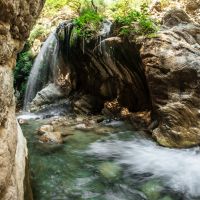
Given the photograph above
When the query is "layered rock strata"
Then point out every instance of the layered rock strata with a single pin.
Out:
(172, 68)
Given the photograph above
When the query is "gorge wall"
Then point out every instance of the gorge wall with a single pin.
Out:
(16, 20)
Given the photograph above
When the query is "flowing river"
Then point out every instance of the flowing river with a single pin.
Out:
(110, 162)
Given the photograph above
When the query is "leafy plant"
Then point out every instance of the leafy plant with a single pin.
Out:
(37, 32)
(164, 3)
(22, 70)
(136, 22)
(88, 23)
(52, 6)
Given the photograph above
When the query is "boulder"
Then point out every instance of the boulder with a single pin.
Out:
(172, 68)
(152, 189)
(51, 137)
(45, 128)
(48, 95)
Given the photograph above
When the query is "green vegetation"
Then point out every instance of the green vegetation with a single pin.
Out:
(135, 22)
(88, 23)
(131, 16)
(39, 31)
(51, 6)
(164, 3)
(22, 70)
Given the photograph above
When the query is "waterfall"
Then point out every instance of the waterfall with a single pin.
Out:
(52, 65)
(106, 27)
(50, 62)
(40, 72)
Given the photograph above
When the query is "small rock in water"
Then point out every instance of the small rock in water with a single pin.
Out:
(83, 127)
(22, 121)
(51, 137)
(109, 170)
(152, 190)
(44, 129)
(80, 126)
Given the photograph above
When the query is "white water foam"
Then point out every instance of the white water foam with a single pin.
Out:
(180, 169)
(28, 116)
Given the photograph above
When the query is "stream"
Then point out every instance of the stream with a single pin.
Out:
(109, 162)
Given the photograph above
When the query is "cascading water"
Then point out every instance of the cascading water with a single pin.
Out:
(104, 33)
(40, 72)
(176, 169)
(49, 62)
(106, 27)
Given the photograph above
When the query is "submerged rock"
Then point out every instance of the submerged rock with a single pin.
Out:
(152, 190)
(49, 148)
(109, 170)
(166, 198)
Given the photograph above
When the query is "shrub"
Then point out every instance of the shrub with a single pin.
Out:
(52, 6)
(22, 70)
(37, 32)
(88, 23)
(164, 3)
(136, 23)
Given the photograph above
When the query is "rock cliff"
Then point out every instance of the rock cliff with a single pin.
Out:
(172, 68)
(16, 20)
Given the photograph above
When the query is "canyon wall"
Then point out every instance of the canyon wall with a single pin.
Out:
(16, 20)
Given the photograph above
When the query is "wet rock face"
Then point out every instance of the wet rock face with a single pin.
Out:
(109, 70)
(16, 20)
(172, 68)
